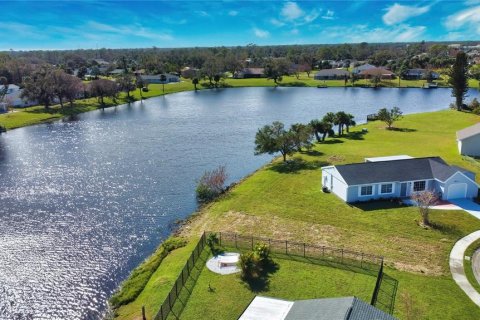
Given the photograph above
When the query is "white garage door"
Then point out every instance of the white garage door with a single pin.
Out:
(457, 190)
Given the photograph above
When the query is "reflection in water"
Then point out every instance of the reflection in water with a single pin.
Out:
(84, 201)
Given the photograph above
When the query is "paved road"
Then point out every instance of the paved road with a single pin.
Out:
(456, 266)
(458, 252)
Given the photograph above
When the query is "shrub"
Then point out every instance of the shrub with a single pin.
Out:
(249, 265)
(262, 251)
(212, 240)
(211, 184)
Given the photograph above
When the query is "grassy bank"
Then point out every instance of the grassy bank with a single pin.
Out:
(285, 202)
(33, 115)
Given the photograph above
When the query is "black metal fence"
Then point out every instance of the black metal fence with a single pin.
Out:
(384, 292)
(331, 256)
(181, 290)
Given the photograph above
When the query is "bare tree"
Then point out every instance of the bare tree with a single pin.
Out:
(424, 200)
(102, 88)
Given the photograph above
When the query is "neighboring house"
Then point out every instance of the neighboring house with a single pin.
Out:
(189, 73)
(418, 74)
(149, 78)
(331, 74)
(382, 73)
(3, 107)
(394, 177)
(116, 72)
(13, 97)
(250, 73)
(345, 308)
(468, 140)
(363, 67)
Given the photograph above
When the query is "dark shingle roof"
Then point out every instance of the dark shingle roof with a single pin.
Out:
(346, 308)
(396, 170)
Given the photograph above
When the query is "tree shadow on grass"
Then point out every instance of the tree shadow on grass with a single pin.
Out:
(332, 141)
(357, 135)
(313, 153)
(446, 229)
(378, 205)
(402, 129)
(293, 84)
(261, 283)
(296, 165)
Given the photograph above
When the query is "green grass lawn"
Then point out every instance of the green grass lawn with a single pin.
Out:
(285, 202)
(292, 280)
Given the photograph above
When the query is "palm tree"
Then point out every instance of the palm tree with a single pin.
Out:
(163, 79)
(195, 82)
(139, 83)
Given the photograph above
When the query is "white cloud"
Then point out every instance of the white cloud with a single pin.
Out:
(291, 11)
(261, 33)
(360, 33)
(136, 30)
(294, 32)
(311, 16)
(399, 13)
(466, 18)
(277, 23)
(232, 13)
(329, 15)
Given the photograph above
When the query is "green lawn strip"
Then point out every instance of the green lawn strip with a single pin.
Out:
(294, 280)
(135, 283)
(427, 297)
(468, 266)
(158, 286)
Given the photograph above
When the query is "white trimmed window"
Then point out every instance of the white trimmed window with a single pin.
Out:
(419, 186)
(386, 188)
(366, 190)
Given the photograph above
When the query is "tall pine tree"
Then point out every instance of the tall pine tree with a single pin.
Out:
(458, 79)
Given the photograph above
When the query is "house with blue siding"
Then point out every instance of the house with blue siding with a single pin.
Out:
(398, 177)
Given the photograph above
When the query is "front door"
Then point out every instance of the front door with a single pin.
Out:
(403, 190)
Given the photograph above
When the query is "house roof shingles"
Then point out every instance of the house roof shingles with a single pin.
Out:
(468, 132)
(345, 308)
(396, 170)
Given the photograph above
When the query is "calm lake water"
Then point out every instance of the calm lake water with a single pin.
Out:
(85, 200)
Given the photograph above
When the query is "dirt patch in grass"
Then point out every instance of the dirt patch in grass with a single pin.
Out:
(400, 252)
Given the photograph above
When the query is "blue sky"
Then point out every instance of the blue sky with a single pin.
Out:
(132, 24)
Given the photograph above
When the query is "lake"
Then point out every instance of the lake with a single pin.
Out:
(85, 200)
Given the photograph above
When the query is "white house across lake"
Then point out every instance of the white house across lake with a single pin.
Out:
(398, 177)
(468, 141)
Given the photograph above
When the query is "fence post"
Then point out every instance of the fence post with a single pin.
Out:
(323, 251)
(286, 246)
(252, 242)
(304, 250)
(143, 313)
(361, 262)
(236, 241)
(377, 286)
(342, 256)
(220, 239)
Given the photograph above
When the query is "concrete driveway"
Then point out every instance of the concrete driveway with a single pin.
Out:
(469, 206)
